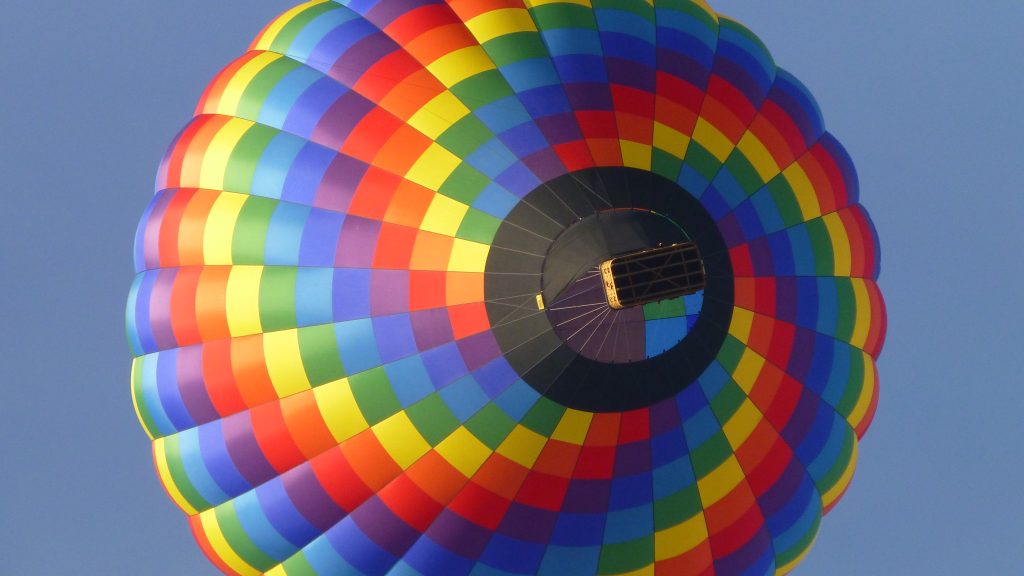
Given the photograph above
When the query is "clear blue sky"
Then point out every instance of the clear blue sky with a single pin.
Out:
(924, 94)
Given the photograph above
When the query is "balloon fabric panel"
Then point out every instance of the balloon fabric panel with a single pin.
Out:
(351, 231)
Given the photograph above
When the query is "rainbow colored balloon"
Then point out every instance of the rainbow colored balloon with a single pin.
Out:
(371, 331)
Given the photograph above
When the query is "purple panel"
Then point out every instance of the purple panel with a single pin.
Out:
(150, 232)
(337, 122)
(339, 184)
(633, 458)
(630, 73)
(587, 496)
(310, 499)
(664, 417)
(389, 292)
(191, 385)
(357, 243)
(308, 110)
(306, 173)
(479, 349)
(381, 525)
(801, 420)
(432, 328)
(587, 96)
(545, 164)
(683, 67)
(244, 450)
(527, 523)
(559, 128)
(365, 53)
(160, 309)
(459, 535)
(384, 13)
(778, 496)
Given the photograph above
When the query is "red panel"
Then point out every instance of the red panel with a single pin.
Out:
(575, 155)
(635, 426)
(374, 193)
(369, 460)
(370, 134)
(595, 462)
(426, 289)
(696, 562)
(410, 503)
(272, 435)
(480, 506)
(335, 474)
(468, 319)
(394, 247)
(543, 491)
(219, 379)
(169, 226)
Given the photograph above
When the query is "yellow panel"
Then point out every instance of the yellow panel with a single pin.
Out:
(840, 244)
(741, 424)
(719, 482)
(444, 215)
(284, 362)
(433, 167)
(867, 392)
(670, 140)
(276, 571)
(490, 25)
(803, 190)
(270, 34)
(635, 154)
(220, 545)
(742, 320)
(160, 457)
(681, 538)
(460, 64)
(220, 228)
(438, 115)
(468, 256)
(339, 409)
(573, 426)
(757, 154)
(748, 369)
(833, 494)
(231, 95)
(243, 300)
(218, 152)
(463, 451)
(522, 446)
(401, 439)
(711, 139)
(862, 320)
(645, 571)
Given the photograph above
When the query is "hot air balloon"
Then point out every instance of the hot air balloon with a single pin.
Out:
(489, 287)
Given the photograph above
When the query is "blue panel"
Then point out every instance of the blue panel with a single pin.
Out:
(351, 294)
(629, 524)
(257, 526)
(283, 515)
(320, 238)
(357, 345)
(284, 235)
(409, 379)
(394, 335)
(272, 171)
(313, 296)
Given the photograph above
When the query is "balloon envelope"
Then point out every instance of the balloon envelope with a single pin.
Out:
(369, 326)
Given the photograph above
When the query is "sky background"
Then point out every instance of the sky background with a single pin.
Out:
(924, 94)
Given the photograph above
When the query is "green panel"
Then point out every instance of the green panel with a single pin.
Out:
(785, 199)
(178, 475)
(277, 298)
(673, 308)
(259, 87)
(481, 89)
(432, 419)
(374, 395)
(515, 47)
(320, 357)
(297, 565)
(677, 508)
(710, 455)
(227, 520)
(727, 401)
(847, 316)
(465, 136)
(730, 353)
(478, 226)
(854, 384)
(464, 184)
(490, 425)
(665, 164)
(702, 161)
(626, 556)
(744, 173)
(832, 477)
(555, 16)
(241, 166)
(251, 230)
(821, 244)
(144, 413)
(543, 417)
(287, 35)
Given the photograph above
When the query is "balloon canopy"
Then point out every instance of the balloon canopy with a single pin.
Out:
(495, 287)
